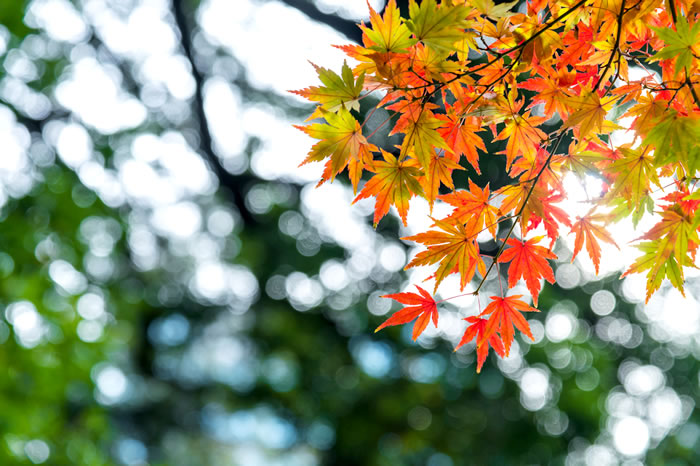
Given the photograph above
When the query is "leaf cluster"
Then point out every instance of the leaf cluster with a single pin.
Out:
(459, 73)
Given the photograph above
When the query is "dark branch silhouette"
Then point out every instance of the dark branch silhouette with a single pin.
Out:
(234, 184)
(344, 26)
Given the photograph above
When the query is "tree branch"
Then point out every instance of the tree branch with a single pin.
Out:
(346, 27)
(206, 145)
(520, 212)
(615, 51)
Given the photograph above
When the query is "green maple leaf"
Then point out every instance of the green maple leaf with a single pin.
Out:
(674, 137)
(678, 43)
(338, 90)
(340, 139)
(437, 27)
(388, 32)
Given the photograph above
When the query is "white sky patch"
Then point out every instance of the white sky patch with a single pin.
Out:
(112, 384)
(58, 18)
(329, 209)
(353, 9)
(283, 146)
(180, 220)
(535, 390)
(142, 33)
(4, 39)
(222, 104)
(172, 71)
(94, 95)
(674, 318)
(27, 323)
(74, 145)
(272, 60)
(631, 436)
(163, 170)
(15, 168)
(24, 98)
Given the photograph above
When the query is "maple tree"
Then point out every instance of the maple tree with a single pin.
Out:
(454, 71)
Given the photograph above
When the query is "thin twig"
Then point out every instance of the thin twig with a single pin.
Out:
(520, 212)
(616, 47)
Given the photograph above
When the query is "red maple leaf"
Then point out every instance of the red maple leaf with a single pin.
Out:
(505, 313)
(529, 262)
(476, 329)
(421, 305)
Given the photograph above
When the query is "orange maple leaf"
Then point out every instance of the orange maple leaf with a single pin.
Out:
(551, 90)
(505, 314)
(439, 171)
(388, 33)
(473, 208)
(529, 262)
(394, 183)
(453, 247)
(540, 208)
(460, 135)
(590, 112)
(420, 305)
(476, 329)
(584, 228)
(523, 136)
(340, 139)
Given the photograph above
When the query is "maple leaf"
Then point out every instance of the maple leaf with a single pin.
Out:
(551, 90)
(658, 270)
(429, 64)
(490, 9)
(577, 46)
(634, 171)
(590, 112)
(506, 314)
(388, 34)
(513, 197)
(338, 91)
(439, 171)
(667, 252)
(674, 136)
(460, 135)
(540, 208)
(673, 232)
(473, 208)
(586, 229)
(476, 330)
(679, 44)
(523, 137)
(647, 111)
(340, 139)
(566, 61)
(438, 27)
(395, 183)
(420, 127)
(422, 306)
(529, 261)
(453, 247)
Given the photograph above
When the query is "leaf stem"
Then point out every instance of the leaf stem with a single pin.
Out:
(615, 50)
(520, 211)
(672, 9)
(454, 297)
(692, 89)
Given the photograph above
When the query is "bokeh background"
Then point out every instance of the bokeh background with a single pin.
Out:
(175, 291)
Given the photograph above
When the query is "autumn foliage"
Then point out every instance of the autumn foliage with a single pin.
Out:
(457, 73)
